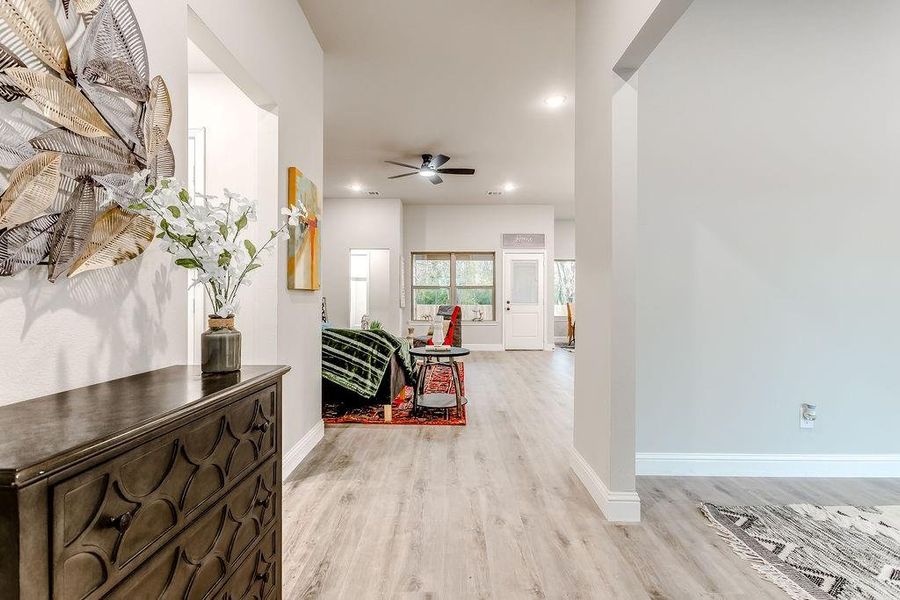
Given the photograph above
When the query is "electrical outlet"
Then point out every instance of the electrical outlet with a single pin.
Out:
(807, 416)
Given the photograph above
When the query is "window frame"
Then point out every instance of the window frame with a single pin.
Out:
(453, 287)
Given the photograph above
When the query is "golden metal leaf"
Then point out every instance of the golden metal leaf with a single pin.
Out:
(158, 119)
(87, 6)
(61, 102)
(34, 23)
(32, 189)
(118, 236)
(73, 230)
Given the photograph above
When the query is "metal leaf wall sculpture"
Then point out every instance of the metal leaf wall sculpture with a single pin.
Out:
(117, 236)
(72, 232)
(36, 27)
(32, 189)
(111, 121)
(24, 246)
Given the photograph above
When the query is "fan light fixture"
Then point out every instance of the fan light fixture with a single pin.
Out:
(555, 101)
(509, 187)
(355, 187)
(432, 168)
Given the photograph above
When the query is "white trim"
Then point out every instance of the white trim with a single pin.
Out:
(768, 465)
(301, 449)
(619, 507)
(549, 347)
(484, 347)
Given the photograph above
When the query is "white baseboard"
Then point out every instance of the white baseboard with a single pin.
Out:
(768, 465)
(619, 507)
(301, 449)
(484, 347)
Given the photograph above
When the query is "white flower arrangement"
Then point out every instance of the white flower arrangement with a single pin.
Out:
(205, 234)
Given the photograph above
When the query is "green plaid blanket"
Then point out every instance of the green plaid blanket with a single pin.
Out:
(358, 360)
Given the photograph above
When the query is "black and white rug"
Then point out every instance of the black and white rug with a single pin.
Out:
(816, 552)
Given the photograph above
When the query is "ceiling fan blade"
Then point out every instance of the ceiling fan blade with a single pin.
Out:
(439, 161)
(435, 179)
(456, 171)
(404, 175)
(400, 164)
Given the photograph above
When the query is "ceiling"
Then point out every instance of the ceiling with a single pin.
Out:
(466, 78)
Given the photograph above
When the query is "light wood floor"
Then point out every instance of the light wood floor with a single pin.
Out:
(492, 510)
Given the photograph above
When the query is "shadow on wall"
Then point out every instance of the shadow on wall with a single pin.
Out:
(96, 297)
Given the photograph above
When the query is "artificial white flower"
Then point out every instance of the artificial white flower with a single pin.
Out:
(206, 234)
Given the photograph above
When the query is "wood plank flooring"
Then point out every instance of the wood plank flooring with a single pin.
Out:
(492, 510)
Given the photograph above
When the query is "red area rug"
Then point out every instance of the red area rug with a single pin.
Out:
(437, 381)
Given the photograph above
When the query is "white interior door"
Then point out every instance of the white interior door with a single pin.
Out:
(523, 301)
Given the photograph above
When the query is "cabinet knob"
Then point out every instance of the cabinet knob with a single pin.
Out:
(122, 522)
(266, 502)
(264, 577)
(262, 427)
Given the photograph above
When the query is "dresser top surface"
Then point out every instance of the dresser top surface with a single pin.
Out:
(40, 436)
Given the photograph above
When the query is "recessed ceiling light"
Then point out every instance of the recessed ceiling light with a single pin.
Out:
(509, 187)
(555, 101)
(427, 173)
(355, 187)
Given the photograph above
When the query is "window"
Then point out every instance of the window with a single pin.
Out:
(466, 279)
(563, 286)
(359, 286)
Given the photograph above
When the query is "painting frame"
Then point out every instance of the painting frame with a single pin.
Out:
(304, 245)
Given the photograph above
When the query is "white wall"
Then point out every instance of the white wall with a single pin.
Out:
(478, 228)
(603, 442)
(110, 323)
(564, 239)
(769, 259)
(283, 60)
(361, 224)
(232, 127)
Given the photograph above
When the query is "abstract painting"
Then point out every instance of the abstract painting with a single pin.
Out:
(304, 245)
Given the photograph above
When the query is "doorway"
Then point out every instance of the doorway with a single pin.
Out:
(370, 292)
(524, 318)
(233, 143)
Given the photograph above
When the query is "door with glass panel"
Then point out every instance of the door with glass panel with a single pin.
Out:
(524, 318)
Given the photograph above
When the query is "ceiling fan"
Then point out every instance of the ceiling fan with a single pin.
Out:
(431, 168)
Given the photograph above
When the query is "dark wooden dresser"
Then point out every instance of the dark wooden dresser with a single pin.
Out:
(165, 484)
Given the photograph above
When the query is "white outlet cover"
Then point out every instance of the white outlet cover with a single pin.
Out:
(804, 422)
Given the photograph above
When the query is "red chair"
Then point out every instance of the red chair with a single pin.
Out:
(454, 331)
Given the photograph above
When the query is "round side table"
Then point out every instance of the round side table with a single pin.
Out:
(435, 360)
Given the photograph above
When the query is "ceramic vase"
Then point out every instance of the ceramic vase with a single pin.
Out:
(220, 346)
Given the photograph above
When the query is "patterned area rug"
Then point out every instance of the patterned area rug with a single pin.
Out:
(815, 552)
(437, 381)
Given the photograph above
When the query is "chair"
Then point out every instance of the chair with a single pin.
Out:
(570, 322)
(454, 331)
